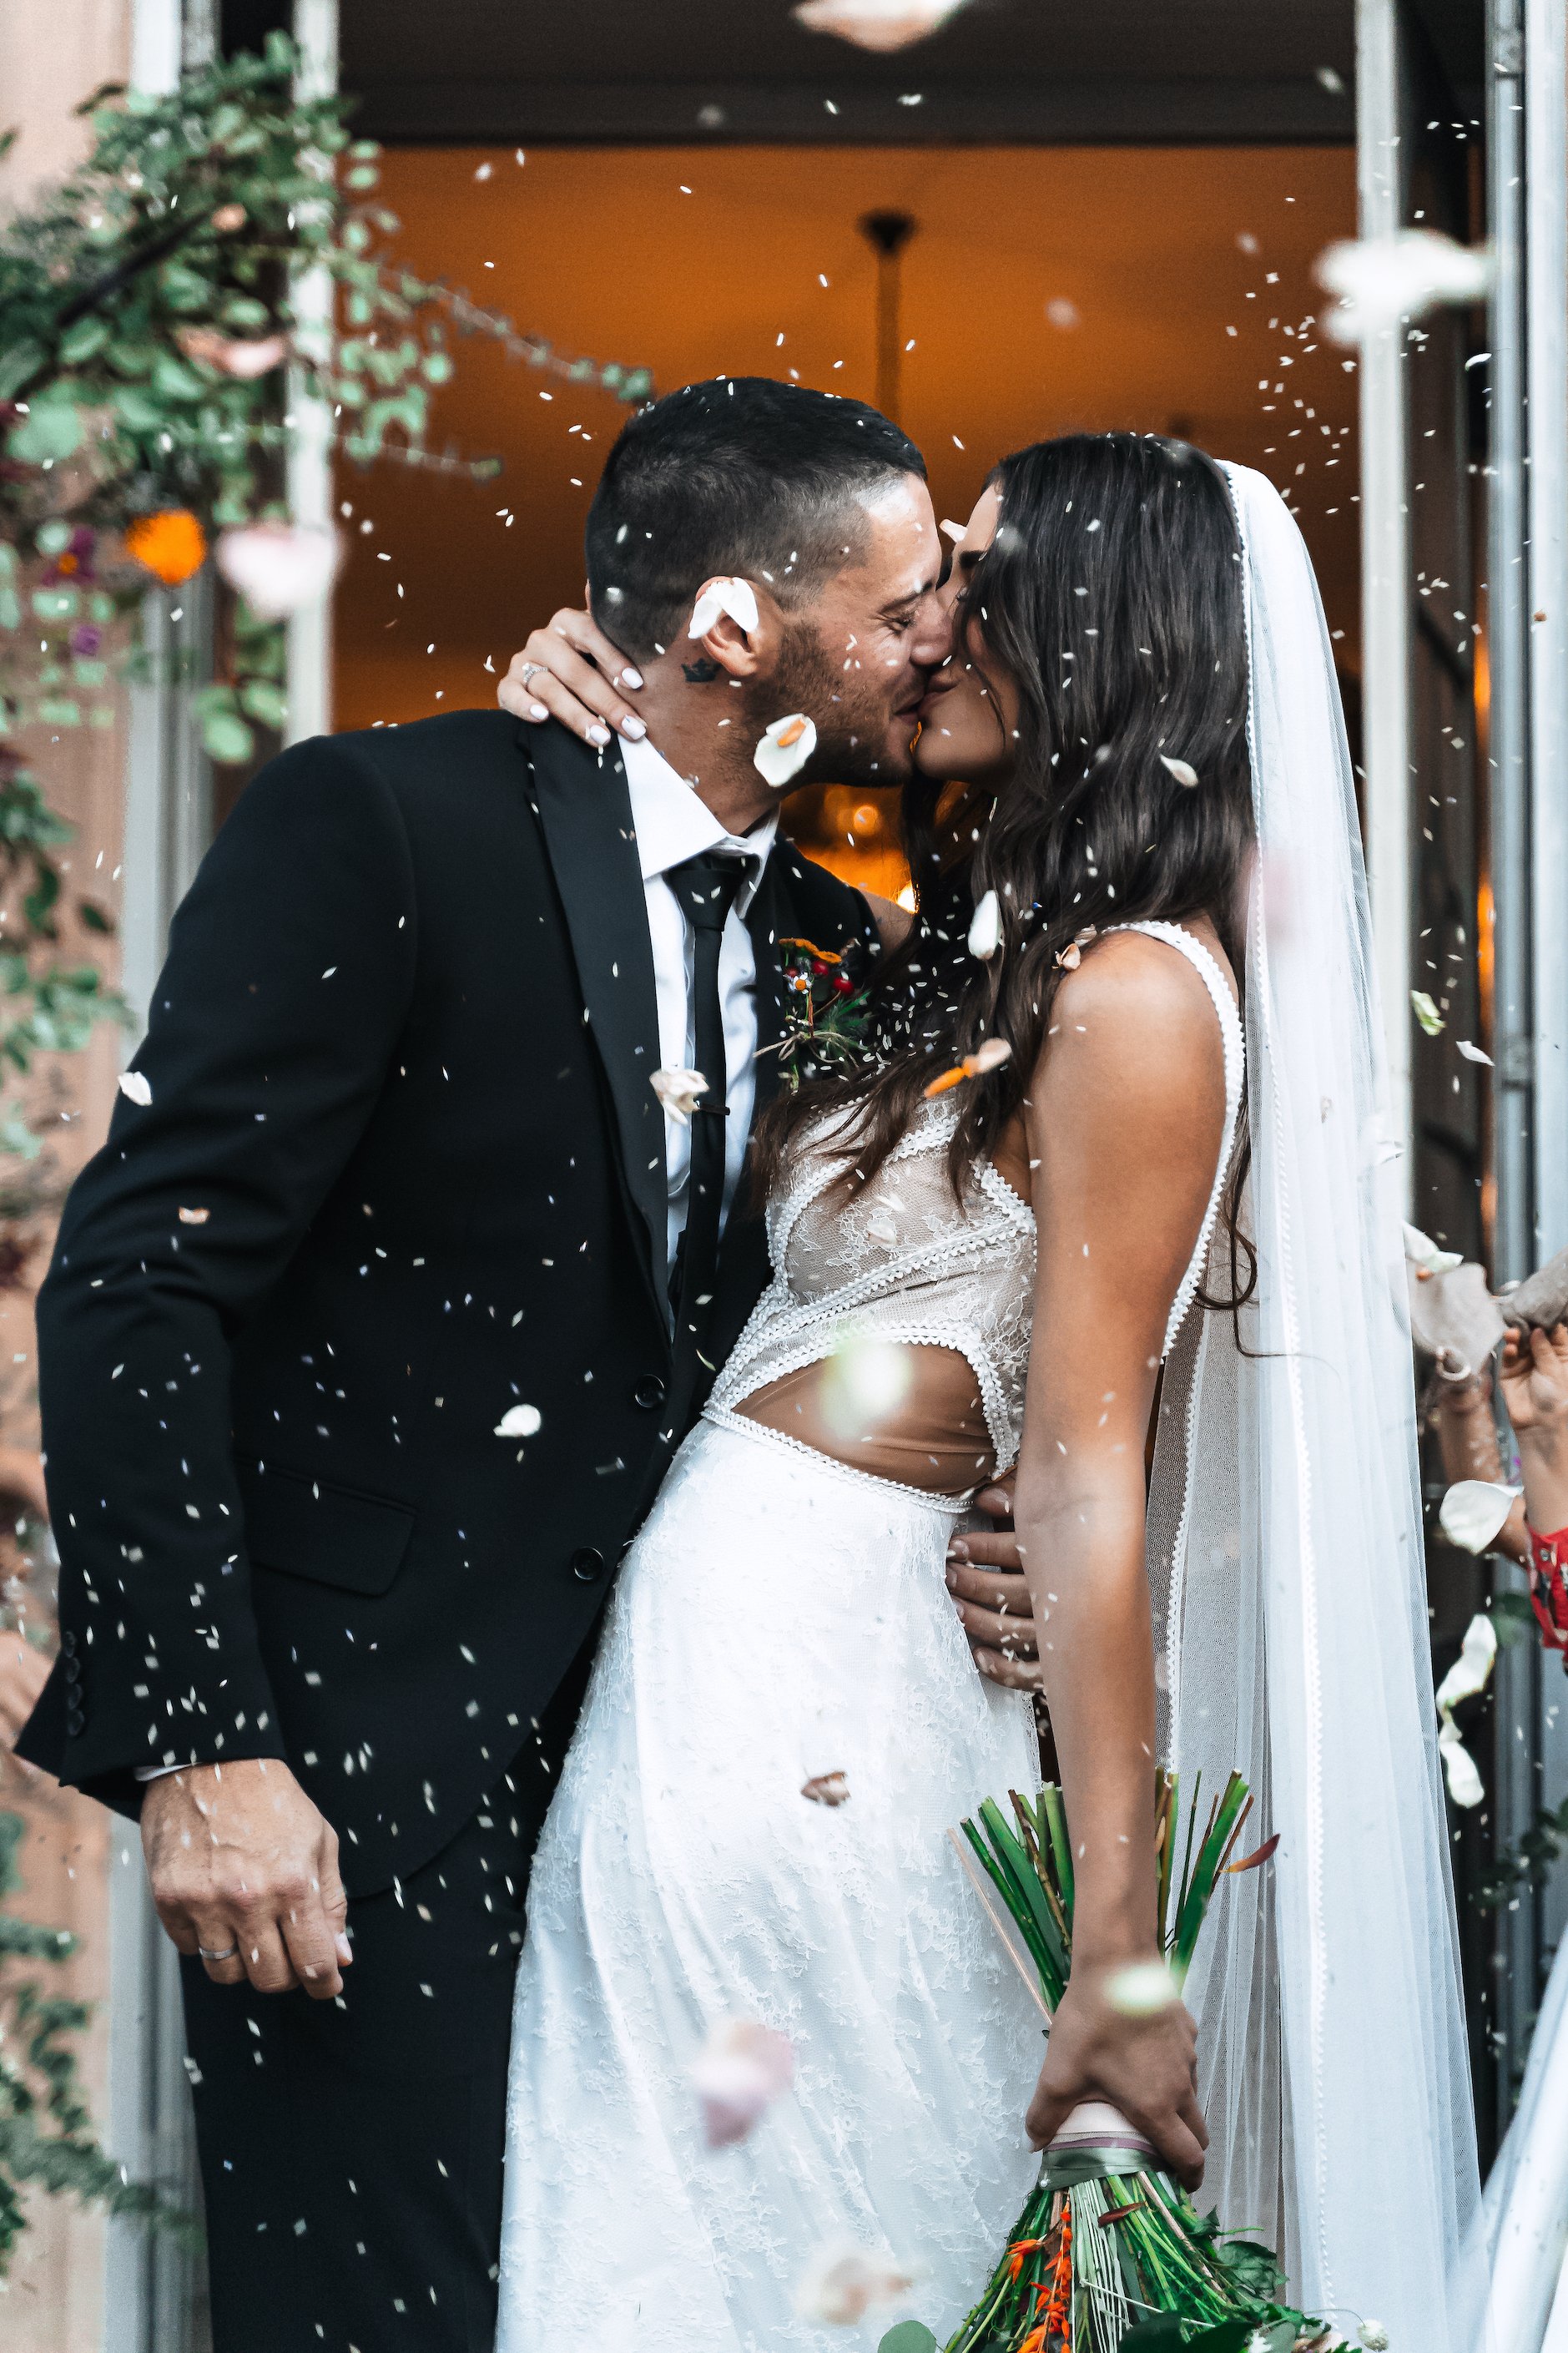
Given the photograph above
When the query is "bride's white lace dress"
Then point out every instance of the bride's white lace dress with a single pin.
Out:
(780, 1618)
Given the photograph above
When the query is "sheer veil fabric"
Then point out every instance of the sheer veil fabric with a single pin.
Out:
(1289, 1578)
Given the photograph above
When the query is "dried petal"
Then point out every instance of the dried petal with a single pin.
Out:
(736, 597)
(195, 1216)
(843, 2282)
(1426, 1013)
(1183, 770)
(278, 568)
(882, 25)
(136, 1087)
(826, 1788)
(989, 1055)
(1472, 1513)
(1473, 1053)
(1380, 281)
(1424, 1255)
(518, 1422)
(787, 744)
(1260, 1854)
(679, 1092)
(742, 2069)
(986, 928)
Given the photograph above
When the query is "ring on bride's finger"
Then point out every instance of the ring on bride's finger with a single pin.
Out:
(527, 673)
(228, 1952)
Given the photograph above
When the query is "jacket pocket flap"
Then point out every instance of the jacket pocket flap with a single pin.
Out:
(308, 1528)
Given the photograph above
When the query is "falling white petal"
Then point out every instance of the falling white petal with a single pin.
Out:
(1465, 1785)
(1380, 281)
(989, 1055)
(740, 2072)
(842, 2282)
(1473, 1053)
(518, 1422)
(786, 745)
(680, 1091)
(1471, 1670)
(136, 1087)
(884, 25)
(985, 929)
(278, 568)
(1424, 1252)
(736, 597)
(1472, 1513)
(1183, 770)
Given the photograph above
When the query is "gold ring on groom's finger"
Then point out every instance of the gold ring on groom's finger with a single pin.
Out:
(228, 1952)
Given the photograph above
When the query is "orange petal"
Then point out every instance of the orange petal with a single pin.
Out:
(953, 1078)
(792, 734)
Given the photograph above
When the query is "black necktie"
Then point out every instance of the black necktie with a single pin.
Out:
(705, 888)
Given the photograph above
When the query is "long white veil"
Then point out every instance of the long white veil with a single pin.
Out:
(1287, 1561)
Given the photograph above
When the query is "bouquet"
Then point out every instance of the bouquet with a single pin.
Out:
(1109, 2254)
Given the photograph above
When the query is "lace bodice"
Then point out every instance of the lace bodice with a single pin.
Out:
(905, 1262)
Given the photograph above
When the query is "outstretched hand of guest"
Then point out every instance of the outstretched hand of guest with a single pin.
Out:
(1533, 1378)
(1144, 2062)
(244, 1873)
(569, 670)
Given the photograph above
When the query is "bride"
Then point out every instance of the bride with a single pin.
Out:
(1172, 1192)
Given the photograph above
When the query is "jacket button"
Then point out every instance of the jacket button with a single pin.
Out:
(587, 1563)
(73, 1670)
(67, 1644)
(75, 1722)
(649, 1393)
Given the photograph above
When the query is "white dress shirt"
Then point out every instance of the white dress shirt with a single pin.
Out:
(673, 825)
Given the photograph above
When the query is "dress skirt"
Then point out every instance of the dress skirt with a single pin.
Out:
(780, 1618)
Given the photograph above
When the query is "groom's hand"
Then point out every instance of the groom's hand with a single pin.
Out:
(244, 1870)
(985, 1578)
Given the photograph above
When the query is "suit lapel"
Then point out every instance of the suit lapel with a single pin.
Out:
(585, 813)
(769, 919)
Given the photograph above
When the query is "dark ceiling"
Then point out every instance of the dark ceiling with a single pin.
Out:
(1071, 71)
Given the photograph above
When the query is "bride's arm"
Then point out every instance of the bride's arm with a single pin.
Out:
(1125, 1121)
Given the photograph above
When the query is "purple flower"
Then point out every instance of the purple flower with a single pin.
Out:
(86, 640)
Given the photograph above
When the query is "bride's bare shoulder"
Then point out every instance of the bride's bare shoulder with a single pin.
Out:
(1135, 1020)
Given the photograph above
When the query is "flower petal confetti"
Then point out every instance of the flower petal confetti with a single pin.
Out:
(1473, 1053)
(136, 1087)
(242, 357)
(1380, 281)
(195, 1216)
(1142, 1989)
(1372, 2336)
(171, 544)
(1426, 1013)
(843, 2282)
(1465, 1784)
(1471, 1670)
(1424, 1255)
(278, 568)
(1071, 956)
(680, 1093)
(736, 597)
(1472, 1513)
(787, 744)
(741, 2071)
(881, 24)
(826, 1790)
(986, 928)
(1183, 770)
(520, 1421)
(989, 1055)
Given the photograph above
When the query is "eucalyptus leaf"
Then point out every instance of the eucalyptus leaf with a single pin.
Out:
(50, 431)
(226, 738)
(85, 339)
(909, 2337)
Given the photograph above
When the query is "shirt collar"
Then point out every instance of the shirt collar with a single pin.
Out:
(672, 823)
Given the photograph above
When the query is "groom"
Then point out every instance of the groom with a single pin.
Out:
(374, 1325)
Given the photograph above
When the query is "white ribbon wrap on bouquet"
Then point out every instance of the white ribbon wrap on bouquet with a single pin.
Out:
(1289, 1580)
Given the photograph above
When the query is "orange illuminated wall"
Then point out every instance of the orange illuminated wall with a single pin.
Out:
(604, 252)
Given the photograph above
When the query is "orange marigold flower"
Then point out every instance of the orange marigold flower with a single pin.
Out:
(171, 544)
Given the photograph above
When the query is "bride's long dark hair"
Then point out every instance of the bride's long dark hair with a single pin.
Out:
(1112, 597)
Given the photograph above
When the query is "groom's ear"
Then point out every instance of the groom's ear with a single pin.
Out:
(744, 643)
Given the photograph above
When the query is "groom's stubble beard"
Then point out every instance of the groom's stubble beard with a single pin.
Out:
(850, 708)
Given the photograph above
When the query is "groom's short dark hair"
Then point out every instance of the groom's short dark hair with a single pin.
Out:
(738, 475)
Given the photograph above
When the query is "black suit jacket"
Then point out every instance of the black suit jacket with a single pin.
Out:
(402, 1170)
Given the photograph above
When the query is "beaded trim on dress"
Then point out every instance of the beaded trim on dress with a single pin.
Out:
(906, 1261)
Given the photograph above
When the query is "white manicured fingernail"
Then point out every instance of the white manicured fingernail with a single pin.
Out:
(630, 676)
(633, 728)
(538, 710)
(598, 735)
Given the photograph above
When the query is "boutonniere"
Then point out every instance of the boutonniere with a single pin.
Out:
(825, 1011)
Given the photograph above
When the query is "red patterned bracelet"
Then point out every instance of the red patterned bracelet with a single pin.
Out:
(1548, 1586)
